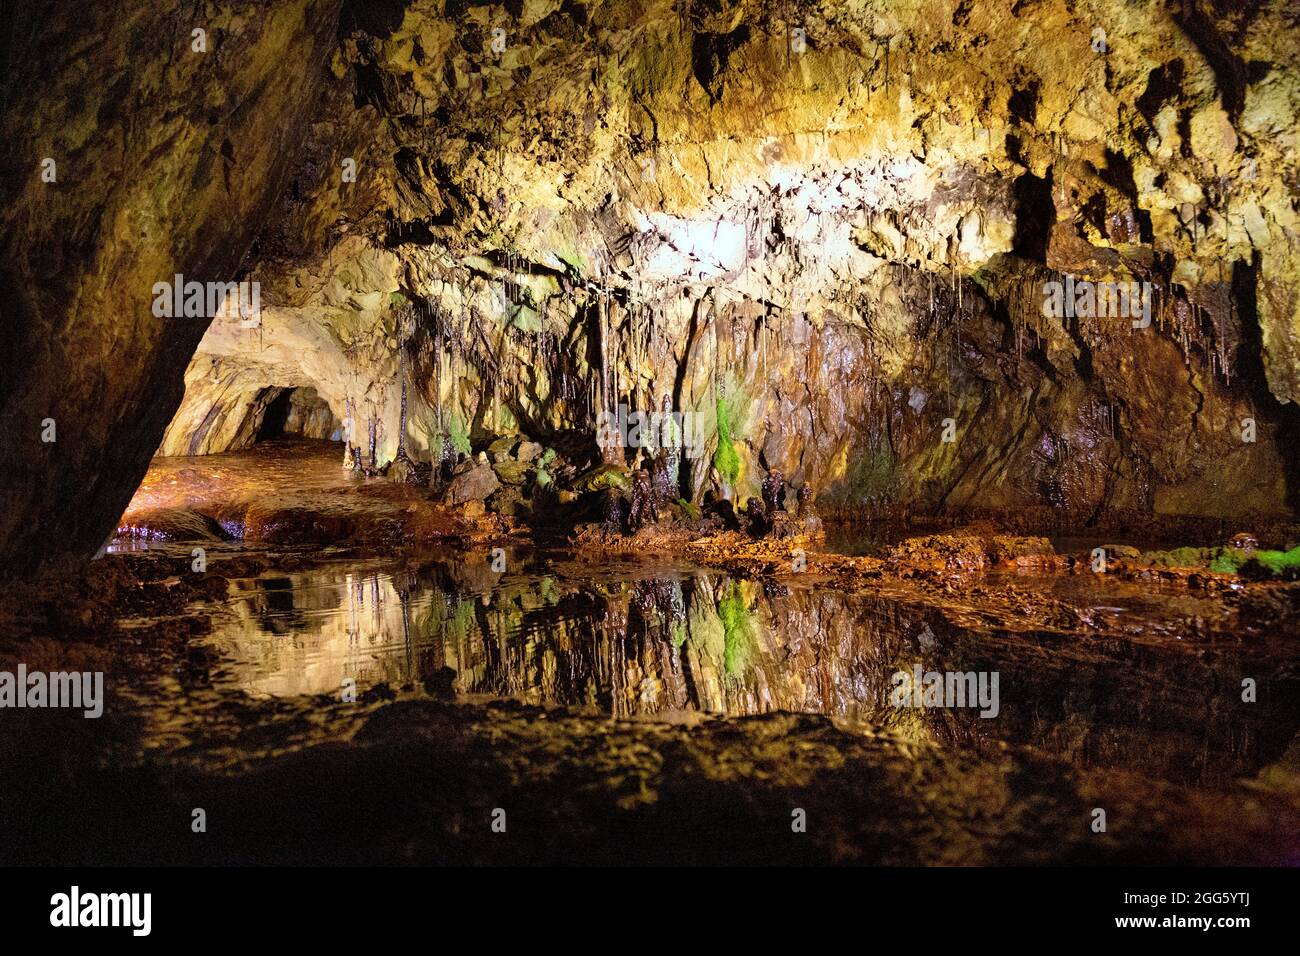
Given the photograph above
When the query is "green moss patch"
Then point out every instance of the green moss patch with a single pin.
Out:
(725, 459)
(737, 630)
(458, 434)
(1258, 565)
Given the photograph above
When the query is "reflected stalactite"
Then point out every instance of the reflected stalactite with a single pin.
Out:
(657, 643)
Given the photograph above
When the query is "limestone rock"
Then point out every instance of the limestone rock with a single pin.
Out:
(823, 261)
(166, 162)
(472, 485)
(500, 450)
(511, 472)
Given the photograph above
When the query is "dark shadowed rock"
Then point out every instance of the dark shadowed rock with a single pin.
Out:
(168, 161)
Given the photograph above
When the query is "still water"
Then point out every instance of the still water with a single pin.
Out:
(1143, 689)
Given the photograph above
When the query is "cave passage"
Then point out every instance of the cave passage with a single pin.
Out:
(298, 412)
(276, 416)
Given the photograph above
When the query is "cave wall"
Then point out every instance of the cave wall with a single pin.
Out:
(558, 206)
(166, 161)
(341, 342)
(844, 234)
(310, 416)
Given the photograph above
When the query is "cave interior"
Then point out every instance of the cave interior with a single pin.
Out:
(620, 412)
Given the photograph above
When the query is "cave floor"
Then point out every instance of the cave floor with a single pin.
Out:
(282, 492)
(352, 704)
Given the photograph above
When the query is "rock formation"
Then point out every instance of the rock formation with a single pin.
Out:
(127, 157)
(823, 234)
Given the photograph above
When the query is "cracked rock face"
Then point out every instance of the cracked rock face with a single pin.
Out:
(832, 223)
(165, 161)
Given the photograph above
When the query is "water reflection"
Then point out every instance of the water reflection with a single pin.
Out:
(632, 642)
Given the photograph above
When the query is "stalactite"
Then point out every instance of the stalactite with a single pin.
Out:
(439, 346)
(401, 433)
(602, 321)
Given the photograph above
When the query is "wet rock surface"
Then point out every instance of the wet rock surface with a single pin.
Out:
(292, 492)
(166, 162)
(474, 484)
(825, 269)
(844, 283)
(674, 758)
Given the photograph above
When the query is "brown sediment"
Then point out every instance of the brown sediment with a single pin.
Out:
(289, 493)
(296, 495)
